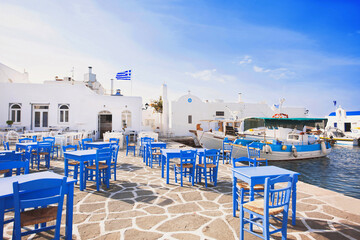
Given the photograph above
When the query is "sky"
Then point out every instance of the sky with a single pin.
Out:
(305, 51)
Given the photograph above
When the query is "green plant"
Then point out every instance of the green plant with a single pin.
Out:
(9, 122)
(157, 105)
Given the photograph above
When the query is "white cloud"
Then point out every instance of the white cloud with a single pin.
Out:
(211, 75)
(245, 60)
(278, 73)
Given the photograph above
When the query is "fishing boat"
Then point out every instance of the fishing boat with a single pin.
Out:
(338, 137)
(277, 138)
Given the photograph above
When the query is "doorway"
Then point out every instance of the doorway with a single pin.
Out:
(105, 123)
(41, 117)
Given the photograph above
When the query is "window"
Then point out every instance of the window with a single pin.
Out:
(190, 119)
(15, 112)
(220, 113)
(63, 113)
(335, 124)
(126, 119)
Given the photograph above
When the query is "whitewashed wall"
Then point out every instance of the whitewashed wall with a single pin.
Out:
(85, 104)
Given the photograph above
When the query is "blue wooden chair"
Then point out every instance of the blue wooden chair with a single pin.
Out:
(6, 145)
(74, 164)
(83, 143)
(155, 154)
(186, 167)
(276, 200)
(130, 146)
(40, 193)
(53, 146)
(113, 163)
(34, 138)
(226, 151)
(42, 153)
(142, 144)
(101, 171)
(25, 140)
(253, 151)
(243, 188)
(209, 168)
(10, 161)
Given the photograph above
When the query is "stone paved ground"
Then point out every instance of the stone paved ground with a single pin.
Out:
(140, 205)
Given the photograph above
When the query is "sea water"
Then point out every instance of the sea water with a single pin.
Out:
(339, 171)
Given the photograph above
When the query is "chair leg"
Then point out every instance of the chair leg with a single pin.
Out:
(192, 175)
(205, 176)
(181, 176)
(175, 173)
(76, 169)
(284, 225)
(215, 173)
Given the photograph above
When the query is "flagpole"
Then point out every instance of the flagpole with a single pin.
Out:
(112, 86)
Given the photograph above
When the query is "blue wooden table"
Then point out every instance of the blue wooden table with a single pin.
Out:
(167, 154)
(97, 144)
(80, 156)
(24, 146)
(257, 175)
(146, 154)
(7, 201)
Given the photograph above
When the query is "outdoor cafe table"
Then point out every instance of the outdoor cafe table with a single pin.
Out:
(7, 201)
(146, 154)
(168, 154)
(23, 146)
(98, 144)
(257, 175)
(80, 156)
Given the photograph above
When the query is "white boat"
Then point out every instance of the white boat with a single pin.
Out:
(297, 145)
(338, 137)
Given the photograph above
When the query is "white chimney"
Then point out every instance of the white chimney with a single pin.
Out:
(90, 70)
(239, 98)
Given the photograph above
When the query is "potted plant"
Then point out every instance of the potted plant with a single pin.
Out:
(9, 122)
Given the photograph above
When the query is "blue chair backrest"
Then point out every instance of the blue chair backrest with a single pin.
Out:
(34, 138)
(211, 156)
(227, 145)
(86, 140)
(248, 162)
(252, 151)
(146, 139)
(275, 197)
(103, 154)
(114, 152)
(188, 156)
(43, 193)
(25, 140)
(115, 140)
(6, 145)
(69, 148)
(44, 146)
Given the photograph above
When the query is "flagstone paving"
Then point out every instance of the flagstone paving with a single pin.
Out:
(140, 205)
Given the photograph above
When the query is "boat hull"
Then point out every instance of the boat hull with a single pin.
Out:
(208, 140)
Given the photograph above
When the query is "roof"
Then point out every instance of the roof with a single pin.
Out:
(348, 113)
(290, 119)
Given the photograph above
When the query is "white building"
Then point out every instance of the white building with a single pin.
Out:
(9, 75)
(347, 121)
(189, 110)
(67, 104)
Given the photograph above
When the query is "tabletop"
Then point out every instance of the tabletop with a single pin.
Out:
(7, 183)
(262, 171)
(81, 152)
(98, 143)
(27, 144)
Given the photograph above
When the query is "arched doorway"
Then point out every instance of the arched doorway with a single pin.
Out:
(105, 123)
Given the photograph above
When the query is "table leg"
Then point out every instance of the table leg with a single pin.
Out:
(81, 177)
(167, 169)
(162, 165)
(2, 211)
(66, 170)
(69, 211)
(294, 201)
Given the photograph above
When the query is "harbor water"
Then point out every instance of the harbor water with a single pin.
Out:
(339, 171)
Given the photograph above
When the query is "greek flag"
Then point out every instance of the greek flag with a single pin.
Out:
(124, 75)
